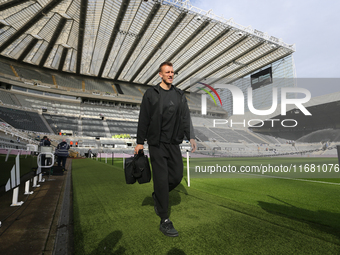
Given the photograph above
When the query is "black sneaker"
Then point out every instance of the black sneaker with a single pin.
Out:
(155, 206)
(168, 229)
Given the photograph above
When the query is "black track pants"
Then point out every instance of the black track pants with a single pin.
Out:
(167, 171)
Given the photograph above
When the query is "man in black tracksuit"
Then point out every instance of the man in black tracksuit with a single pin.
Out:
(164, 119)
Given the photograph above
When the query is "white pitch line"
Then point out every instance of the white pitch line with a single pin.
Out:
(303, 180)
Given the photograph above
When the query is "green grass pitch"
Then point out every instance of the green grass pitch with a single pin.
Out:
(213, 215)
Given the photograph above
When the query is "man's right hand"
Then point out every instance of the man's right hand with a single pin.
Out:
(138, 147)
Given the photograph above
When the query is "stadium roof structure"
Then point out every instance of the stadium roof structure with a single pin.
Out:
(127, 40)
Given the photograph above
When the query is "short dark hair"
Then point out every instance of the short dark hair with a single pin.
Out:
(166, 63)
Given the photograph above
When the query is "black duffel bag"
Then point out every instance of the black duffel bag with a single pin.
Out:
(137, 168)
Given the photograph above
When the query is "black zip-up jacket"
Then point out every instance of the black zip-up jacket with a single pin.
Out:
(150, 118)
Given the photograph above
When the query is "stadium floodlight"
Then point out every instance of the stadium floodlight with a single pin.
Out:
(64, 15)
(198, 18)
(4, 22)
(66, 46)
(37, 36)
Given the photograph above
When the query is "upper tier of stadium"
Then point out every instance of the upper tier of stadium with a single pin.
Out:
(126, 40)
(51, 83)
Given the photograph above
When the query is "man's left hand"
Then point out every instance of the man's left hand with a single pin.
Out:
(193, 145)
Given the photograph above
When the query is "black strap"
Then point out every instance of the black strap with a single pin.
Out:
(137, 172)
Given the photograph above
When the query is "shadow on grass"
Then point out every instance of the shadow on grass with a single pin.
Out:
(175, 251)
(323, 221)
(108, 244)
(182, 189)
(174, 197)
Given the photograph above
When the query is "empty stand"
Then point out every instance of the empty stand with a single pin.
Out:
(248, 137)
(122, 127)
(33, 74)
(200, 135)
(199, 121)
(226, 135)
(93, 127)
(69, 81)
(269, 139)
(130, 90)
(7, 142)
(109, 111)
(6, 69)
(50, 104)
(102, 86)
(208, 133)
(281, 140)
(58, 123)
(229, 135)
(23, 120)
(8, 98)
(88, 143)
